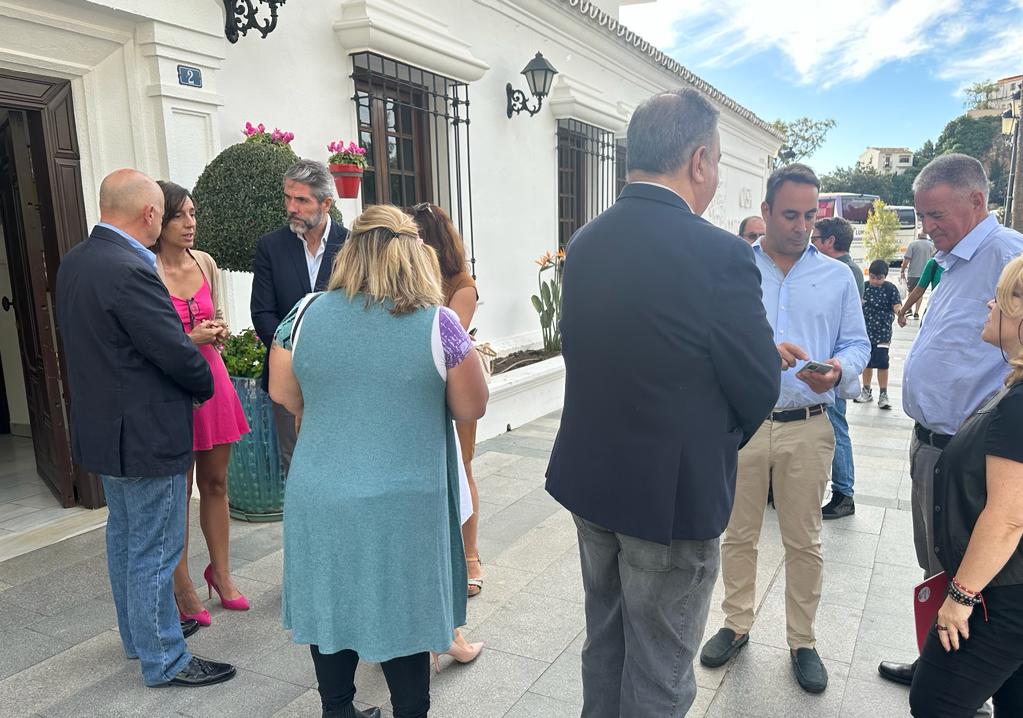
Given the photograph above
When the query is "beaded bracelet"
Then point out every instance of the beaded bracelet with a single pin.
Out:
(961, 597)
(963, 588)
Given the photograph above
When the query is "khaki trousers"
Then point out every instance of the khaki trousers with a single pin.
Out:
(795, 457)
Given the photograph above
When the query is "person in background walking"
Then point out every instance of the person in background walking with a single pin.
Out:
(881, 302)
(193, 280)
(930, 278)
(373, 563)
(833, 236)
(918, 253)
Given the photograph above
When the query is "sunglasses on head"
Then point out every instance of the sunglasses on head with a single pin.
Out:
(422, 207)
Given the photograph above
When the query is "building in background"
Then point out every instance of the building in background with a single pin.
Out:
(90, 86)
(887, 160)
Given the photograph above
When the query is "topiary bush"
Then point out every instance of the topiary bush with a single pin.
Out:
(239, 197)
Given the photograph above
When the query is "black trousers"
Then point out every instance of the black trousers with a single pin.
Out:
(987, 665)
(408, 679)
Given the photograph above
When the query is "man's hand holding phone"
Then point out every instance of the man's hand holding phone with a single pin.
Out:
(821, 376)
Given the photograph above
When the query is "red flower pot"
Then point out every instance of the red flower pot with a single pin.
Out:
(347, 179)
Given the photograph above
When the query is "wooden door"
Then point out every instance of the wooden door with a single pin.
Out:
(25, 228)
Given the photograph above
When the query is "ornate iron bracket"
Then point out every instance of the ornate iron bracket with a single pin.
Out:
(242, 16)
(519, 101)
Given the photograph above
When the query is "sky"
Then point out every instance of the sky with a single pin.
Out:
(890, 73)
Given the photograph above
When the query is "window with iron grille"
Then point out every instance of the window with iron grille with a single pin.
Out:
(621, 166)
(414, 125)
(586, 175)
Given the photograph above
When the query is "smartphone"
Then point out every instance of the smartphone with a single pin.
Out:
(817, 367)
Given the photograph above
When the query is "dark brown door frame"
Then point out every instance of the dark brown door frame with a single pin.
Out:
(57, 163)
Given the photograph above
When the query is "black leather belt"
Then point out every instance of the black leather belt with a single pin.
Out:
(797, 414)
(926, 436)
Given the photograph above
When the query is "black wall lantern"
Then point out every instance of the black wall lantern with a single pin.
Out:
(539, 76)
(241, 16)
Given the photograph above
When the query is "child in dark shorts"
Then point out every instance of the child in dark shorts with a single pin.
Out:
(881, 301)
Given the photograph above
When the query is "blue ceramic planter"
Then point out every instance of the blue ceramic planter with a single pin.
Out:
(255, 482)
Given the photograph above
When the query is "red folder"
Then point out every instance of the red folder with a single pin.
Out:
(927, 599)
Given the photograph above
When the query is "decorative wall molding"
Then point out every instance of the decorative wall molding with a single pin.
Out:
(393, 29)
(572, 98)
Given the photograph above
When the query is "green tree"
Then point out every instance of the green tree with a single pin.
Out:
(925, 154)
(859, 179)
(902, 187)
(804, 136)
(880, 234)
(977, 95)
(970, 136)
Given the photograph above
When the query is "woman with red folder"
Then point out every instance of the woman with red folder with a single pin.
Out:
(974, 653)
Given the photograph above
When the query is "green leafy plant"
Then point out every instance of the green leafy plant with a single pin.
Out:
(548, 303)
(243, 354)
(239, 197)
(880, 235)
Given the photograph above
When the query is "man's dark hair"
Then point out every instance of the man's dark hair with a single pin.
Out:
(797, 172)
(836, 227)
(878, 268)
(666, 130)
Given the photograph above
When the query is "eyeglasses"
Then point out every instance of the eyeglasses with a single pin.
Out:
(752, 236)
(816, 238)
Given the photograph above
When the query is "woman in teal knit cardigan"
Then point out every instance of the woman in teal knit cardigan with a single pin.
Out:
(373, 559)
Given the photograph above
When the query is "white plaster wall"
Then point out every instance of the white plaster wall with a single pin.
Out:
(298, 79)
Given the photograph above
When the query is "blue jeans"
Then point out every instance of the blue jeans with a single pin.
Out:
(842, 472)
(145, 538)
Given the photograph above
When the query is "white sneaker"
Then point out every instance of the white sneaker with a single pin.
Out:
(866, 396)
(882, 401)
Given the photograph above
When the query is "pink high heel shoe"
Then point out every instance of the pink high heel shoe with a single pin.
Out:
(463, 654)
(202, 618)
(232, 604)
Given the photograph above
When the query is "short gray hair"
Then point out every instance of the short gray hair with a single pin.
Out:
(315, 176)
(955, 170)
(667, 128)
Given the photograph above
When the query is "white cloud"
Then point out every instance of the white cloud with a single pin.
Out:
(827, 43)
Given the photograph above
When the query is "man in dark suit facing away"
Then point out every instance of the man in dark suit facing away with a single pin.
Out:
(670, 368)
(134, 377)
(290, 262)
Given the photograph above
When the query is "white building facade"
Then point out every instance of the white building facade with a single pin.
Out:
(887, 160)
(90, 86)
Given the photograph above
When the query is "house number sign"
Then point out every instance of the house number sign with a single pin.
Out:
(189, 76)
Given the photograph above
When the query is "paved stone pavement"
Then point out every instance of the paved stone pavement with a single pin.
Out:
(60, 654)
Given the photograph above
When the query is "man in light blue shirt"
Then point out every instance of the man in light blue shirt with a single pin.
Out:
(950, 371)
(813, 306)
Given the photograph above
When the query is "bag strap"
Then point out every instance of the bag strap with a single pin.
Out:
(306, 302)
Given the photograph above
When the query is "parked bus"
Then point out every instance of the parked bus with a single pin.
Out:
(855, 208)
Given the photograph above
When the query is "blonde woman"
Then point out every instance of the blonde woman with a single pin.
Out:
(376, 370)
(975, 650)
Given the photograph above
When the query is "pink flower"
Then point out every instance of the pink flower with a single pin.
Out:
(260, 127)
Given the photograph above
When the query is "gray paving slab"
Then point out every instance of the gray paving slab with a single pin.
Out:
(529, 614)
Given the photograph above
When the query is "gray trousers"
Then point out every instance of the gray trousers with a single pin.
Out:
(646, 610)
(922, 460)
(284, 422)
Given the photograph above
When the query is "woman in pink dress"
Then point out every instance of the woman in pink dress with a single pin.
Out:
(193, 281)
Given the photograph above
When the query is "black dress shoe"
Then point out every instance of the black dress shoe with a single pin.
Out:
(809, 670)
(721, 647)
(350, 711)
(897, 672)
(189, 626)
(839, 507)
(200, 672)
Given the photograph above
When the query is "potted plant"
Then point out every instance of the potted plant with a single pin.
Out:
(239, 197)
(347, 163)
